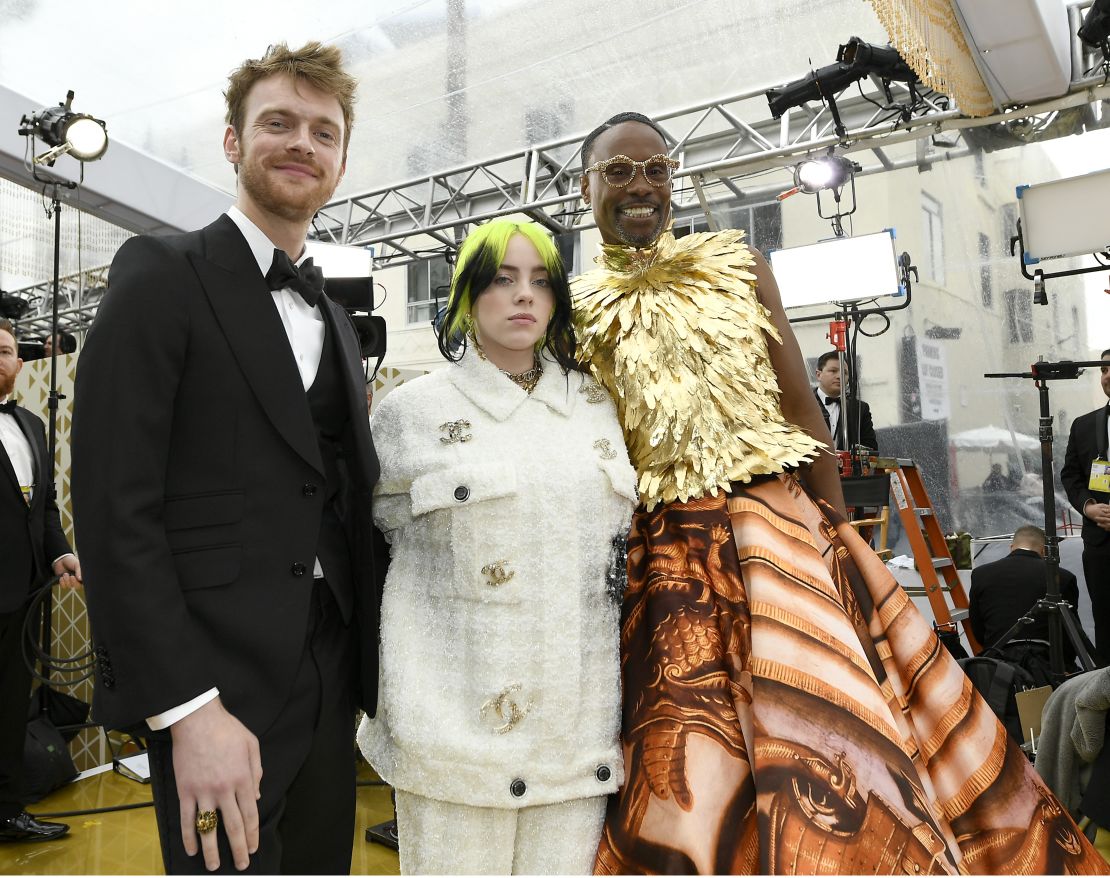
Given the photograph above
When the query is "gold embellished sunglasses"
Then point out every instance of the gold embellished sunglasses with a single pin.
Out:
(620, 170)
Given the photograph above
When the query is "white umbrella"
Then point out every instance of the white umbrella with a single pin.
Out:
(993, 439)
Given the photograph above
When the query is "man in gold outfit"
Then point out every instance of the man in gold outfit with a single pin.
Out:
(786, 709)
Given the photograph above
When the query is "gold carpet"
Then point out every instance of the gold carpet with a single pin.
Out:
(126, 842)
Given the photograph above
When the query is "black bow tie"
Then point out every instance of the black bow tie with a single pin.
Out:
(305, 279)
(830, 400)
(8, 407)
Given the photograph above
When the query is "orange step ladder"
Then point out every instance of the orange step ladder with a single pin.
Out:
(930, 550)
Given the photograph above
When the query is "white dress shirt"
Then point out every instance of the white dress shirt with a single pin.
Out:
(304, 326)
(832, 406)
(19, 453)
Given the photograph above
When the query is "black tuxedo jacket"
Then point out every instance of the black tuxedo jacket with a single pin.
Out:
(31, 536)
(1086, 442)
(860, 429)
(195, 474)
(1004, 590)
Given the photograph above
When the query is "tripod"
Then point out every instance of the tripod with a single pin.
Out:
(1060, 614)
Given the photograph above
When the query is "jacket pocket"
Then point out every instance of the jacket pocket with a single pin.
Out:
(202, 510)
(462, 486)
(207, 566)
(622, 477)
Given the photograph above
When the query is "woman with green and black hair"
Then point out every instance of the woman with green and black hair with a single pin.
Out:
(506, 493)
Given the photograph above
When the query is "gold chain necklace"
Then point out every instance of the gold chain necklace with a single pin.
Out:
(526, 381)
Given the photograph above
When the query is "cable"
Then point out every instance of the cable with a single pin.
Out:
(106, 810)
(859, 325)
(33, 653)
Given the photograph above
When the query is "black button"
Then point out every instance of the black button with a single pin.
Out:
(518, 788)
(308, 490)
(299, 569)
(603, 773)
(462, 492)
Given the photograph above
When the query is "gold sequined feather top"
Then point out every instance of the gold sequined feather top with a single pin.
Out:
(677, 335)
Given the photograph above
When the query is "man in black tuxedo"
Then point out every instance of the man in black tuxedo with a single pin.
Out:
(32, 546)
(1087, 443)
(1005, 590)
(860, 429)
(222, 477)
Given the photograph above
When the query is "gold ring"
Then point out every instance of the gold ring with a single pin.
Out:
(206, 821)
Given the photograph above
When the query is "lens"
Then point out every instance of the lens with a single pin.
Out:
(619, 174)
(657, 173)
(87, 138)
(814, 175)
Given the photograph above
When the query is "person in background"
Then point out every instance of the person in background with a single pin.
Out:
(828, 392)
(1085, 476)
(32, 547)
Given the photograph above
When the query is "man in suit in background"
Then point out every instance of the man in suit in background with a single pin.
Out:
(1087, 445)
(222, 476)
(32, 546)
(860, 429)
(1005, 590)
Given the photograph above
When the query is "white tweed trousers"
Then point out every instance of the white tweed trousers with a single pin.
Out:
(440, 838)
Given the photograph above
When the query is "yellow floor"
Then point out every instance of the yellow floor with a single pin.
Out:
(126, 842)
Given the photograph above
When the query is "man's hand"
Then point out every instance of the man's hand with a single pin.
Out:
(1099, 513)
(218, 767)
(69, 569)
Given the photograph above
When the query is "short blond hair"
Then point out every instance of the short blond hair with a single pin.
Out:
(319, 65)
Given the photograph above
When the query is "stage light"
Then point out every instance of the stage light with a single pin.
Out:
(66, 132)
(1065, 217)
(1095, 30)
(855, 60)
(881, 61)
(827, 172)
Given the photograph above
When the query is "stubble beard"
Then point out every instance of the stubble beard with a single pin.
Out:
(294, 207)
(633, 239)
(7, 385)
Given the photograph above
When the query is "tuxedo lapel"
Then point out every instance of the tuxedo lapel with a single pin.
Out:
(1100, 431)
(354, 383)
(9, 472)
(244, 308)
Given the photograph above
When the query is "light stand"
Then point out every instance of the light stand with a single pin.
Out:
(1061, 615)
(83, 138)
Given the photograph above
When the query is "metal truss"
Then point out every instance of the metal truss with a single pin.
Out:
(79, 296)
(719, 153)
(721, 156)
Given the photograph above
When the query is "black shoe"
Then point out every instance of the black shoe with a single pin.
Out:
(24, 827)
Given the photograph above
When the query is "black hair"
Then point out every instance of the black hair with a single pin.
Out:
(824, 358)
(588, 143)
(478, 261)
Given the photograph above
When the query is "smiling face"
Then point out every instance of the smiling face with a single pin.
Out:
(635, 214)
(511, 314)
(290, 151)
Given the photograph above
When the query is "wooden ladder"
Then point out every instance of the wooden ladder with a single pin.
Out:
(930, 550)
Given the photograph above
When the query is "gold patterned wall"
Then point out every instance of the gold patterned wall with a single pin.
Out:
(70, 621)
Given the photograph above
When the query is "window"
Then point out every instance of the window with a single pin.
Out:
(1019, 315)
(985, 271)
(429, 279)
(934, 237)
(762, 222)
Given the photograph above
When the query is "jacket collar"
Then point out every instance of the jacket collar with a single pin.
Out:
(484, 385)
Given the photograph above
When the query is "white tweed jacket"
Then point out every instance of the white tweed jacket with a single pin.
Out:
(500, 679)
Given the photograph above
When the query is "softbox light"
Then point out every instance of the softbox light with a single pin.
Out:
(839, 270)
(1068, 217)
